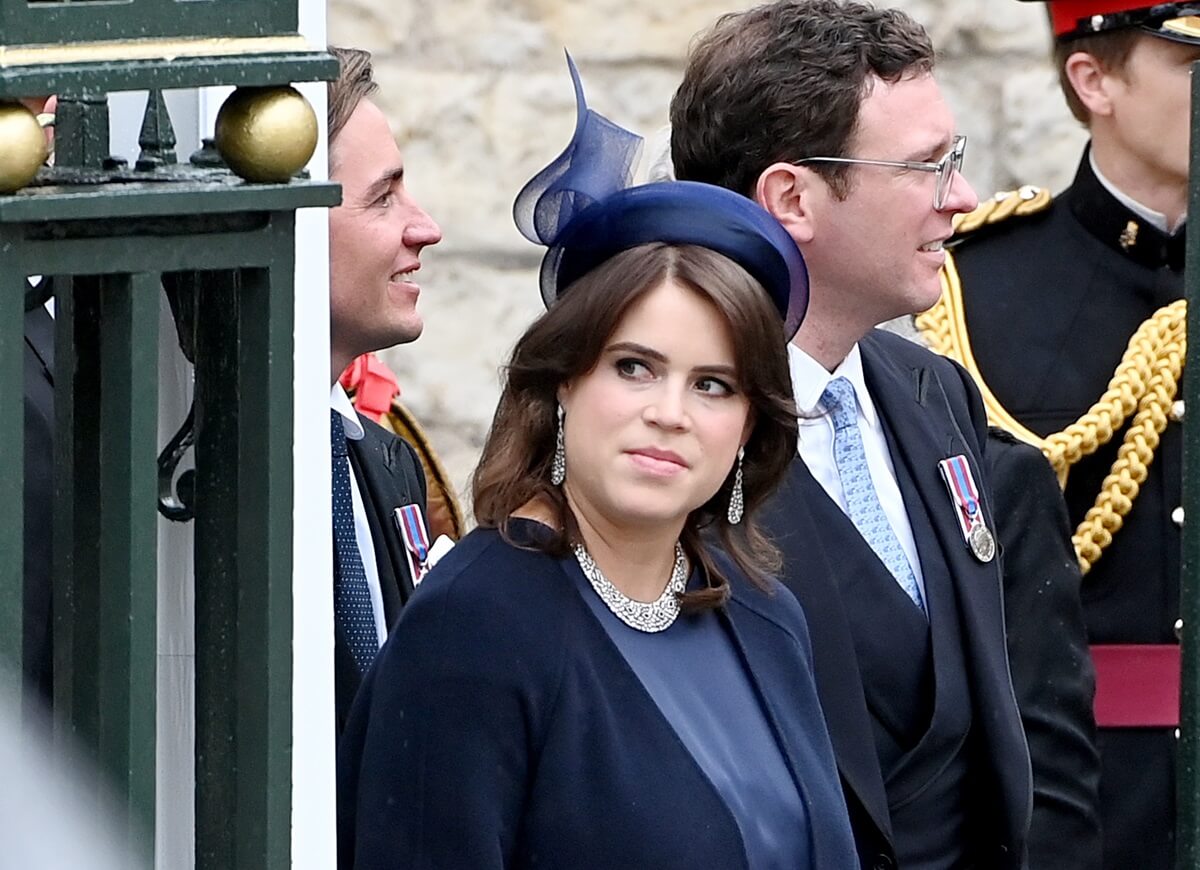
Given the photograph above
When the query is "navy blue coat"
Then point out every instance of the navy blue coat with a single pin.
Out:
(502, 728)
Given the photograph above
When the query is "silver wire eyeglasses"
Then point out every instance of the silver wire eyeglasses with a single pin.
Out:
(951, 162)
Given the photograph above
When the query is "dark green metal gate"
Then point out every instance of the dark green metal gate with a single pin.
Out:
(113, 237)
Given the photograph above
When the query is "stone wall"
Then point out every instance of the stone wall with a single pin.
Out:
(479, 97)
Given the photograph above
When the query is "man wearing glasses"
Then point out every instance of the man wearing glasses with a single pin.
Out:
(1052, 292)
(828, 115)
(944, 170)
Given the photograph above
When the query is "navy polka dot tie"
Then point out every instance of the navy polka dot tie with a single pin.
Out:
(351, 596)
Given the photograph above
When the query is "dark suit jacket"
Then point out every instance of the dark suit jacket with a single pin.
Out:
(932, 412)
(502, 728)
(388, 475)
(39, 498)
(1048, 651)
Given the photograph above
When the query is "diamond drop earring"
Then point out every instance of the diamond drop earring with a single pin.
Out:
(558, 468)
(736, 502)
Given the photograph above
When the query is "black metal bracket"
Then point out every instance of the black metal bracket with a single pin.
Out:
(176, 499)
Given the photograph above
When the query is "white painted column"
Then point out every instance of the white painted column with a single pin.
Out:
(313, 725)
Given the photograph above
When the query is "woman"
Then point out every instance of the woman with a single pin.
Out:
(585, 681)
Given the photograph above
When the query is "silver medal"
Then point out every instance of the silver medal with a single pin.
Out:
(983, 545)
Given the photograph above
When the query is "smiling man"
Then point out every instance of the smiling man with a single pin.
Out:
(1053, 290)
(828, 114)
(375, 241)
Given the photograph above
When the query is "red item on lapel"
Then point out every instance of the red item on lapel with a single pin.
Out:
(373, 385)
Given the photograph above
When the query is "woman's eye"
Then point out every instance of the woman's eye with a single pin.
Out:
(714, 387)
(632, 368)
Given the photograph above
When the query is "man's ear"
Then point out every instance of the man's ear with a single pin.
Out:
(1091, 82)
(787, 192)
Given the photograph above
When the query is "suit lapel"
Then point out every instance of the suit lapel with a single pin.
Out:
(917, 410)
(922, 432)
(916, 406)
(384, 489)
(802, 522)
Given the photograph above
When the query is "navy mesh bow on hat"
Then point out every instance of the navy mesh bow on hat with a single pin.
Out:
(584, 210)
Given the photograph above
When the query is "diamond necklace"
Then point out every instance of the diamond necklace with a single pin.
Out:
(647, 616)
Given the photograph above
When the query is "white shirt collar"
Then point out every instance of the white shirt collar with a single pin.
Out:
(340, 402)
(809, 380)
(1156, 219)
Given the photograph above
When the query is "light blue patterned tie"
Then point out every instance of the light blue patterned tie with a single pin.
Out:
(351, 595)
(862, 502)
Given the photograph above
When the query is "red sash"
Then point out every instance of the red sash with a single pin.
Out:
(1137, 685)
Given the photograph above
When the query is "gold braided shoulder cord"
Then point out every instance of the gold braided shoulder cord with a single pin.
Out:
(1144, 384)
(1158, 347)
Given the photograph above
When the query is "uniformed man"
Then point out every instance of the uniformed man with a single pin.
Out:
(1067, 310)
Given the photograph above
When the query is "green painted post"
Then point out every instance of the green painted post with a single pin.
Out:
(1188, 818)
(77, 524)
(12, 465)
(110, 229)
(244, 564)
(128, 569)
(29, 21)
(84, 118)
(217, 551)
(265, 624)
(105, 610)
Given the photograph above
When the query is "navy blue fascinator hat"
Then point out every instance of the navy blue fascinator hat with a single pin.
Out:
(584, 210)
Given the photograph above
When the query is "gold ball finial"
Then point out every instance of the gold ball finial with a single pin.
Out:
(23, 147)
(266, 134)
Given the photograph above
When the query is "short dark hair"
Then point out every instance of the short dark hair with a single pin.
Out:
(1111, 51)
(784, 81)
(355, 82)
(568, 340)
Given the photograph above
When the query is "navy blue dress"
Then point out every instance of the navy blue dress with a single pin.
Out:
(694, 674)
(501, 727)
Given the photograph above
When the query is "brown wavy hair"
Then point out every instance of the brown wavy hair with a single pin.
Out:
(355, 83)
(567, 342)
(785, 81)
